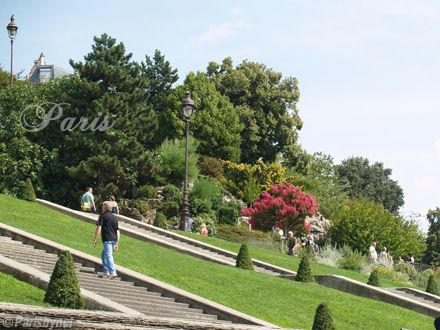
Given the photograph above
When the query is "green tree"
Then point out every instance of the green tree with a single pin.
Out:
(110, 89)
(360, 222)
(28, 192)
(266, 105)
(375, 279)
(432, 286)
(161, 78)
(304, 273)
(432, 253)
(215, 124)
(63, 289)
(20, 157)
(172, 161)
(244, 259)
(370, 181)
(323, 318)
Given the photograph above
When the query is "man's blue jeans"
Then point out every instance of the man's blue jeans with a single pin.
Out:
(107, 257)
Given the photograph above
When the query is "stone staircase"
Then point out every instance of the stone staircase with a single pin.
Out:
(125, 293)
(417, 295)
(182, 243)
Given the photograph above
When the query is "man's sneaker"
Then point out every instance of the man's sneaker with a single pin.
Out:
(106, 274)
(112, 276)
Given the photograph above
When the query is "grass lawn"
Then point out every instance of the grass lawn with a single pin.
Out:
(18, 292)
(282, 302)
(289, 262)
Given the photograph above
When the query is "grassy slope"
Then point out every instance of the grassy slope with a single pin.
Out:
(28, 294)
(289, 262)
(282, 302)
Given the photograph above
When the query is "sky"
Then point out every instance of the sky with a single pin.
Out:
(368, 71)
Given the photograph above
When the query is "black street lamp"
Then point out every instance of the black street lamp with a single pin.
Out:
(12, 32)
(187, 107)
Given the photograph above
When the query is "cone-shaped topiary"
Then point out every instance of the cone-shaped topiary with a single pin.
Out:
(160, 221)
(375, 279)
(63, 289)
(323, 318)
(304, 273)
(432, 286)
(27, 192)
(244, 259)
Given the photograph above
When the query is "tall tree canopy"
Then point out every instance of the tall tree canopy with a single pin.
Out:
(432, 253)
(215, 124)
(110, 85)
(161, 78)
(266, 105)
(370, 181)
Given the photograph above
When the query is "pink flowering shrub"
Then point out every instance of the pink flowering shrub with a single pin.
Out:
(285, 206)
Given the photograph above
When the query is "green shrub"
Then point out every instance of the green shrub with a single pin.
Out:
(244, 259)
(139, 204)
(172, 160)
(205, 188)
(375, 279)
(240, 234)
(147, 191)
(432, 286)
(160, 221)
(63, 289)
(304, 273)
(227, 215)
(27, 192)
(171, 193)
(169, 208)
(405, 268)
(350, 263)
(323, 318)
(351, 259)
(199, 206)
(211, 167)
(172, 198)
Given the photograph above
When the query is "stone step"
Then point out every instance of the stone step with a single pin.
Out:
(154, 305)
(149, 296)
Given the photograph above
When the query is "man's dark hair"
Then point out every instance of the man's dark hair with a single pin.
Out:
(437, 323)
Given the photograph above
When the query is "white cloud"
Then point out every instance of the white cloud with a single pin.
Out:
(222, 31)
(236, 11)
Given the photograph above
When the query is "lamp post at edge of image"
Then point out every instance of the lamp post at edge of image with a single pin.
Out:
(12, 32)
(187, 106)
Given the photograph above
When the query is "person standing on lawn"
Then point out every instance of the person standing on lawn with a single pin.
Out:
(107, 225)
(87, 201)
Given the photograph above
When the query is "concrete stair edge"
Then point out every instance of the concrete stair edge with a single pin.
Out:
(209, 307)
(92, 219)
(41, 280)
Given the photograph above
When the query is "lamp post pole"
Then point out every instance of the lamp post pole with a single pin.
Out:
(187, 107)
(12, 32)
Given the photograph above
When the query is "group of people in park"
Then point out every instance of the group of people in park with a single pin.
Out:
(387, 255)
(294, 244)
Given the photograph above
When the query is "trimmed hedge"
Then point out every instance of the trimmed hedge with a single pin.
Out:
(244, 259)
(27, 192)
(63, 289)
(323, 318)
(304, 273)
(375, 279)
(433, 286)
